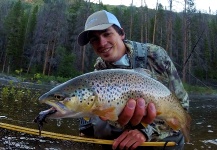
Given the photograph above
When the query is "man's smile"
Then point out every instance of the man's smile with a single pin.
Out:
(105, 50)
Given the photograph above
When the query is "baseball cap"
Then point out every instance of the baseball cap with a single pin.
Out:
(99, 20)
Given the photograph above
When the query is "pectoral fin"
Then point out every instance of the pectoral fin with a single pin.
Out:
(108, 113)
(86, 118)
(159, 113)
(144, 124)
(173, 123)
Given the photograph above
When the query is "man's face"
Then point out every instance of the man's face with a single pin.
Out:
(108, 44)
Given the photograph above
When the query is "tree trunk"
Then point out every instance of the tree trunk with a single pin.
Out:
(46, 58)
(83, 58)
(54, 43)
(146, 25)
(4, 64)
(30, 62)
(131, 20)
(169, 31)
(52, 56)
(142, 22)
(155, 23)
(184, 41)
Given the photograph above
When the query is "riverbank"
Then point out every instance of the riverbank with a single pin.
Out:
(202, 96)
(7, 80)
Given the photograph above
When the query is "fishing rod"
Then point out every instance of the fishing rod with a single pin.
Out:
(74, 138)
(192, 51)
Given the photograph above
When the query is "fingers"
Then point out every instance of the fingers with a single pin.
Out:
(127, 113)
(119, 140)
(139, 112)
(135, 139)
(136, 111)
(151, 114)
(129, 140)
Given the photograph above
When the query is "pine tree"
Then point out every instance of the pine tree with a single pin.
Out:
(15, 25)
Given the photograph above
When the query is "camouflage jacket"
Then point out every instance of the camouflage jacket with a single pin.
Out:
(162, 69)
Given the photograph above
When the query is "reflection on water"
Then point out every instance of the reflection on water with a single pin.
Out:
(203, 130)
(204, 121)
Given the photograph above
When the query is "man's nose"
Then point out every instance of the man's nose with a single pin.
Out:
(102, 41)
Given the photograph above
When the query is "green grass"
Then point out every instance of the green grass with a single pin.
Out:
(199, 89)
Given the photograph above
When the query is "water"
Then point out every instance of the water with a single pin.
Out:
(22, 112)
(204, 122)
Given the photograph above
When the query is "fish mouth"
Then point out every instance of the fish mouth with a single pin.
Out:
(62, 111)
(57, 105)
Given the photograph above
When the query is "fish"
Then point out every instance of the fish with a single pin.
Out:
(105, 93)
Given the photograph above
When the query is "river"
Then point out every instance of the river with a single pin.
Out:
(22, 112)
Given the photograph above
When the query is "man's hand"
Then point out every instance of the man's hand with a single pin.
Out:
(136, 112)
(129, 140)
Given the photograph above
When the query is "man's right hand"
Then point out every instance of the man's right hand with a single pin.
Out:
(136, 111)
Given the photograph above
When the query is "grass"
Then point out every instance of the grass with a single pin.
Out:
(199, 89)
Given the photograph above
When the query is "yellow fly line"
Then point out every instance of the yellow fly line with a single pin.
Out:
(71, 137)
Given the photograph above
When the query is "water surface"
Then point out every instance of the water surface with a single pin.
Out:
(22, 112)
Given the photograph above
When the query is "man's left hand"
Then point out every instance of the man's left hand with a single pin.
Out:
(129, 140)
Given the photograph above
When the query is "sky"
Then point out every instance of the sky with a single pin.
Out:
(202, 5)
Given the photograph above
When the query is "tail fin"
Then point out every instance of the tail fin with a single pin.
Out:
(186, 128)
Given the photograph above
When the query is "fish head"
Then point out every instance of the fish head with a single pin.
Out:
(69, 101)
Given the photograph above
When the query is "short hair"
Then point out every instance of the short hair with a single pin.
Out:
(118, 29)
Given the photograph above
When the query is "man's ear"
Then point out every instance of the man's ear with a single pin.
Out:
(122, 31)
(122, 34)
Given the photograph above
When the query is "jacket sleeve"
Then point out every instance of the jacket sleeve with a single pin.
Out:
(147, 131)
(160, 63)
(103, 129)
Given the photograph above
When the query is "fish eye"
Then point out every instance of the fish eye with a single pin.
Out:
(58, 96)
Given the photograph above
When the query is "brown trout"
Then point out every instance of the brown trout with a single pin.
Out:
(105, 93)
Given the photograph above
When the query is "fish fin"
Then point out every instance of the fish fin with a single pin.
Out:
(108, 113)
(186, 128)
(159, 113)
(173, 123)
(86, 118)
(144, 124)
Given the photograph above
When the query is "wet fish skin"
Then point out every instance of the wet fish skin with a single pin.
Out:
(106, 92)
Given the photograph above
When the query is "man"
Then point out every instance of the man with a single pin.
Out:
(106, 36)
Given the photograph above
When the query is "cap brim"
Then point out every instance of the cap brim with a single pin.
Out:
(83, 36)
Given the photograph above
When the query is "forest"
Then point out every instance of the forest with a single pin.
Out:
(40, 36)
